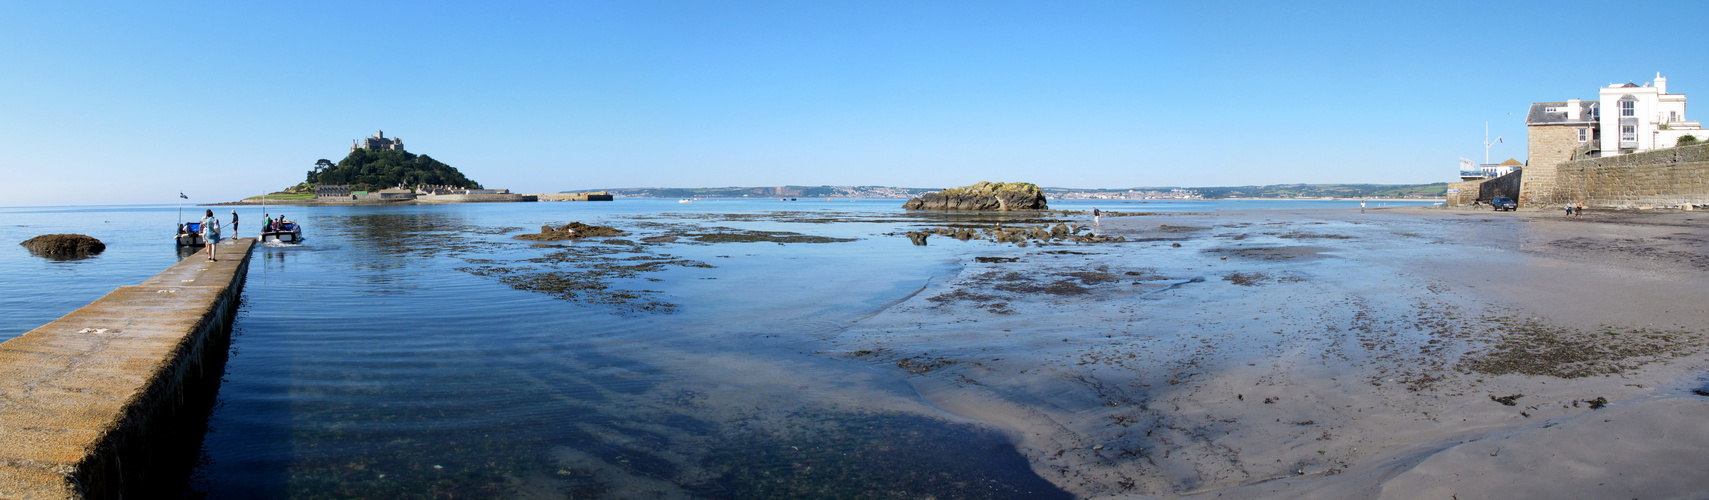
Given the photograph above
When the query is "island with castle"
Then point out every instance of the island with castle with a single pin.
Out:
(378, 171)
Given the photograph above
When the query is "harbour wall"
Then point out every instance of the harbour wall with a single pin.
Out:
(1671, 177)
(1482, 191)
(99, 403)
(589, 196)
(474, 198)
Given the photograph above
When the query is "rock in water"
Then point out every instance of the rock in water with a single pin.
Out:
(919, 238)
(64, 246)
(1002, 196)
(572, 230)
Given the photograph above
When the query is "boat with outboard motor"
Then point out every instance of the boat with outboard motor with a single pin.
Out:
(189, 234)
(283, 232)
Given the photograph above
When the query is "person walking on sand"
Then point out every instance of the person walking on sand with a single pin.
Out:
(211, 235)
(1095, 216)
(1361, 206)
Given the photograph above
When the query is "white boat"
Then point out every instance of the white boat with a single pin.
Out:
(685, 200)
(190, 235)
(288, 232)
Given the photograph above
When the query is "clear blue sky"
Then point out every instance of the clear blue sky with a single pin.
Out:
(133, 102)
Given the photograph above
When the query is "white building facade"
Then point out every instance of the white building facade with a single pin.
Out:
(1637, 118)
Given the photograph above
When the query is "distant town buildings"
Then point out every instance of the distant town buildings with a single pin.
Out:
(1130, 194)
(378, 141)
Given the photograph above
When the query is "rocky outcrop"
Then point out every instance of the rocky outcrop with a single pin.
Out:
(1021, 236)
(64, 246)
(570, 231)
(984, 196)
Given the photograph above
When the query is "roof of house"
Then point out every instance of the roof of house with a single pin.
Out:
(1540, 114)
(1512, 163)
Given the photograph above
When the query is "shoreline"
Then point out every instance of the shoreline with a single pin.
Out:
(1324, 352)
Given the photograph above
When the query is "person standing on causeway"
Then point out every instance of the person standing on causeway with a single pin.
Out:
(211, 234)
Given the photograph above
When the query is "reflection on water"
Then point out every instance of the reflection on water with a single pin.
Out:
(424, 352)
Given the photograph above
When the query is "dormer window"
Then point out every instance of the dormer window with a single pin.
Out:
(1628, 106)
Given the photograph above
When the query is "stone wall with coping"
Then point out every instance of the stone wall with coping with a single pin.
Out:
(1669, 177)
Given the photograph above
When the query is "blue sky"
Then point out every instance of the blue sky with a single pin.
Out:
(132, 103)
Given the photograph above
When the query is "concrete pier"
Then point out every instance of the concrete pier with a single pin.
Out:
(85, 400)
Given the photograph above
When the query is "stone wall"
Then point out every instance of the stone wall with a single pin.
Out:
(1506, 185)
(1468, 192)
(1548, 146)
(1662, 178)
(1482, 191)
(475, 198)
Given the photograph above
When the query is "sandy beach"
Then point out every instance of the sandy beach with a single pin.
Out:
(1395, 353)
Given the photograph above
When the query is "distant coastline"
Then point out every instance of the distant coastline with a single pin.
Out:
(1437, 191)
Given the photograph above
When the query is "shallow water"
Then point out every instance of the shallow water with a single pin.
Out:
(422, 351)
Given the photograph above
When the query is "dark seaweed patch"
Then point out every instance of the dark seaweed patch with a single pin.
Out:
(873, 455)
(1532, 347)
(748, 236)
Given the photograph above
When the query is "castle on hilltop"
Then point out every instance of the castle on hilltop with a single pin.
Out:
(378, 141)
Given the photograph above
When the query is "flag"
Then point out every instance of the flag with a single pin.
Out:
(181, 195)
(1498, 139)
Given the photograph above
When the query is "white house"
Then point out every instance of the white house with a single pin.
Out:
(1493, 170)
(1638, 118)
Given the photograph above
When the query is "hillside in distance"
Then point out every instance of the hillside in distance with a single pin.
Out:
(1390, 191)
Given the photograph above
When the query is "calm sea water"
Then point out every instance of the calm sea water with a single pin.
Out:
(422, 351)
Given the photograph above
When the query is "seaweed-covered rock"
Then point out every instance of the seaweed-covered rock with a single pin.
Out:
(1002, 196)
(570, 231)
(918, 237)
(64, 246)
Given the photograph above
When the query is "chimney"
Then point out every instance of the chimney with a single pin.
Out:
(1572, 109)
(1661, 84)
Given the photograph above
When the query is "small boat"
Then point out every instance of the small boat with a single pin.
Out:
(685, 200)
(287, 232)
(190, 235)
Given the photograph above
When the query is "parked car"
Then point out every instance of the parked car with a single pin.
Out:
(1503, 203)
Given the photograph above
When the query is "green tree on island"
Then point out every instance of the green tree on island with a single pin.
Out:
(370, 170)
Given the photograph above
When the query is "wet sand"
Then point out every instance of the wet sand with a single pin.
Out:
(1404, 353)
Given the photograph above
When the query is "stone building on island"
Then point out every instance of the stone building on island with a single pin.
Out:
(330, 193)
(378, 141)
